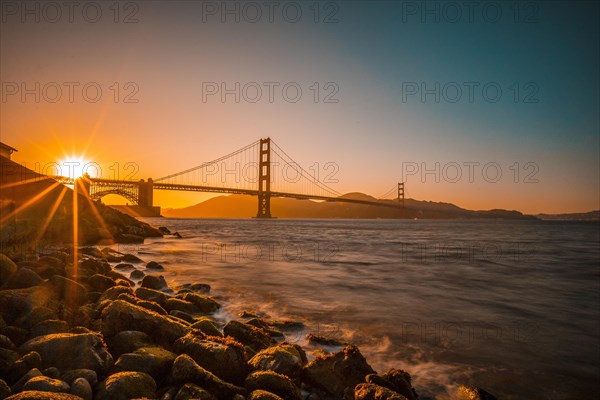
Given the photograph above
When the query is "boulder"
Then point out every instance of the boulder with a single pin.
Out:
(37, 395)
(205, 304)
(45, 384)
(152, 295)
(151, 305)
(121, 316)
(127, 385)
(189, 391)
(181, 305)
(154, 282)
(7, 268)
(114, 292)
(255, 338)
(154, 361)
(154, 266)
(263, 395)
(185, 369)
(82, 388)
(197, 287)
(222, 357)
(68, 290)
(396, 380)
(369, 391)
(70, 351)
(124, 267)
(136, 274)
(24, 379)
(4, 390)
(128, 342)
(287, 359)
(338, 373)
(100, 283)
(473, 393)
(72, 375)
(48, 327)
(130, 258)
(206, 326)
(23, 278)
(273, 382)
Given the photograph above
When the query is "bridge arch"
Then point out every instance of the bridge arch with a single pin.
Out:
(119, 192)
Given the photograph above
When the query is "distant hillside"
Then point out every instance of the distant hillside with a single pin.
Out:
(586, 216)
(242, 206)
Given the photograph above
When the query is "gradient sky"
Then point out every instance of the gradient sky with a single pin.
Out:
(373, 53)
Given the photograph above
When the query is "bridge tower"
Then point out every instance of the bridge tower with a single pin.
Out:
(264, 179)
(401, 193)
(146, 193)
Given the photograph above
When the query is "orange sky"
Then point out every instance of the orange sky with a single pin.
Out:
(547, 152)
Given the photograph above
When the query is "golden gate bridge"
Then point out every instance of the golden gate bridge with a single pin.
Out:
(259, 169)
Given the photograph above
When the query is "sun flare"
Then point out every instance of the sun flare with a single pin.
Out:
(76, 166)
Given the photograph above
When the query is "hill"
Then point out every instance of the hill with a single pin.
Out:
(242, 206)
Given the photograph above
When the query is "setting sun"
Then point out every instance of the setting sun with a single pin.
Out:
(76, 166)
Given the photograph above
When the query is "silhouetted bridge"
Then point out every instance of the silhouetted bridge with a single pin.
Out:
(233, 174)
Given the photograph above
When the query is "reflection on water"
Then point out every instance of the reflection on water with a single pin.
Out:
(509, 305)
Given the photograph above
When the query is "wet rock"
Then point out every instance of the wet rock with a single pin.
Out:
(185, 369)
(397, 380)
(196, 287)
(37, 395)
(114, 292)
(273, 382)
(318, 339)
(369, 391)
(474, 393)
(24, 379)
(48, 327)
(33, 359)
(222, 357)
(124, 267)
(189, 391)
(205, 304)
(337, 373)
(45, 384)
(48, 266)
(35, 316)
(152, 295)
(17, 335)
(154, 282)
(72, 375)
(130, 258)
(287, 359)
(255, 338)
(154, 361)
(164, 230)
(154, 266)
(128, 298)
(7, 364)
(52, 372)
(92, 266)
(266, 327)
(136, 274)
(112, 255)
(206, 326)
(151, 305)
(181, 305)
(7, 268)
(121, 316)
(91, 251)
(128, 342)
(6, 343)
(128, 238)
(82, 388)
(180, 315)
(23, 278)
(100, 283)
(127, 385)
(119, 277)
(4, 390)
(70, 351)
(70, 291)
(263, 395)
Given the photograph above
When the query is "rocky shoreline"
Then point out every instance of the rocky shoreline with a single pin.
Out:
(103, 331)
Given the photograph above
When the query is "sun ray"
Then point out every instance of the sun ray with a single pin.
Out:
(30, 202)
(94, 209)
(48, 219)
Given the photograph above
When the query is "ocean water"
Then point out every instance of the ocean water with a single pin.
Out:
(511, 306)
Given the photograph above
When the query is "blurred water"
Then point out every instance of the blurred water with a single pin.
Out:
(512, 306)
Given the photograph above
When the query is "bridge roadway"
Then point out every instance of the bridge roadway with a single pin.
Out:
(212, 189)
